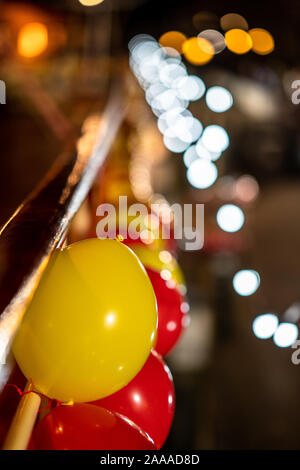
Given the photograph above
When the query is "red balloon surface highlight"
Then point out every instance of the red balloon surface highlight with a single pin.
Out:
(171, 318)
(87, 427)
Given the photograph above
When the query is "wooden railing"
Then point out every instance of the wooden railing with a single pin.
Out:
(40, 223)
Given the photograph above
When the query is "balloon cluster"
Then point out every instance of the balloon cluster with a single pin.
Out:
(103, 315)
(92, 338)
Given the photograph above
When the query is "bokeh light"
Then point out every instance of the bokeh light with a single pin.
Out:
(232, 21)
(262, 41)
(246, 188)
(168, 101)
(202, 173)
(230, 218)
(174, 144)
(180, 123)
(142, 49)
(264, 326)
(202, 151)
(285, 335)
(198, 51)
(167, 120)
(188, 128)
(173, 40)
(215, 138)
(238, 41)
(246, 282)
(191, 88)
(138, 39)
(90, 3)
(215, 38)
(205, 19)
(153, 91)
(170, 71)
(190, 155)
(218, 99)
(32, 40)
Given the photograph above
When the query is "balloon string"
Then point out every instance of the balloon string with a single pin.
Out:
(52, 402)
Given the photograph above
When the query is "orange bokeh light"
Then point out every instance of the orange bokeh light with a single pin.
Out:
(233, 21)
(32, 39)
(238, 41)
(198, 51)
(263, 42)
(90, 3)
(173, 39)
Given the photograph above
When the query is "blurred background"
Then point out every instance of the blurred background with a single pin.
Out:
(212, 119)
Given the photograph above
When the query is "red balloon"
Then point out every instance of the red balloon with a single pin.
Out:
(87, 427)
(171, 318)
(148, 400)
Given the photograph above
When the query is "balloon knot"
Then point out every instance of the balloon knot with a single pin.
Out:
(52, 402)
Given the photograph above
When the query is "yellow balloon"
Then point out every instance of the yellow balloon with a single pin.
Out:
(147, 228)
(160, 260)
(91, 324)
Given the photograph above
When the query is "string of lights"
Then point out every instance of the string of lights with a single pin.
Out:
(169, 89)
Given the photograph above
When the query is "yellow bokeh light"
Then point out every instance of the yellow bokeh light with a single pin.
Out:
(173, 39)
(32, 39)
(263, 42)
(238, 41)
(198, 51)
(90, 3)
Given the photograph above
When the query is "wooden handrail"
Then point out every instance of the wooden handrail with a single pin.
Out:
(40, 223)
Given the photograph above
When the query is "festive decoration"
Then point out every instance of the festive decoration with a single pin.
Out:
(141, 229)
(162, 261)
(83, 336)
(171, 308)
(148, 400)
(88, 427)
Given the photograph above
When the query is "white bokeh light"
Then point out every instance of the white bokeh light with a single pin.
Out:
(169, 90)
(246, 282)
(153, 91)
(179, 122)
(285, 335)
(202, 151)
(188, 128)
(190, 155)
(169, 118)
(230, 218)
(202, 173)
(218, 99)
(144, 49)
(174, 144)
(215, 138)
(190, 87)
(264, 326)
(215, 155)
(170, 72)
(165, 100)
(139, 38)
